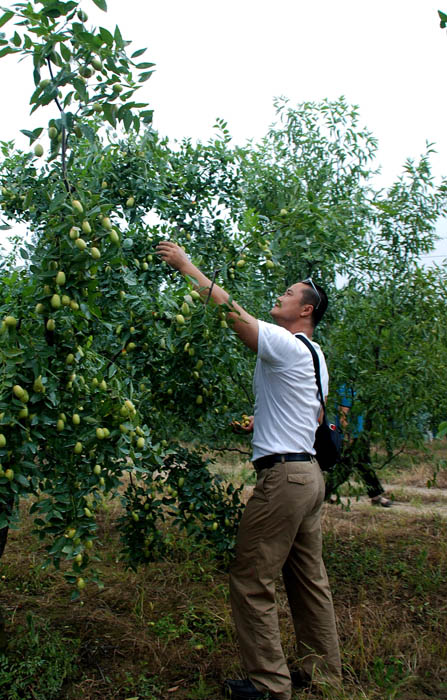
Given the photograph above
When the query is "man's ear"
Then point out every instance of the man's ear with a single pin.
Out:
(307, 310)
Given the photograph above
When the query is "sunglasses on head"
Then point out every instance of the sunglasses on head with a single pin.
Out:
(309, 281)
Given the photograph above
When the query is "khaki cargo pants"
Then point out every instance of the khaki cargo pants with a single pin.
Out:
(280, 530)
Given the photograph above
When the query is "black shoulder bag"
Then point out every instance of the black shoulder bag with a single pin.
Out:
(328, 438)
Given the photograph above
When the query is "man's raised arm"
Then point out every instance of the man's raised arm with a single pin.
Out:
(245, 325)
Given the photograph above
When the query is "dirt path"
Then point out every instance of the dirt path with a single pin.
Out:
(411, 500)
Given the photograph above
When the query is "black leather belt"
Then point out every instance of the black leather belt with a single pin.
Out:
(269, 460)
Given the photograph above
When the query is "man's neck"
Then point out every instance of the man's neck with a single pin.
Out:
(299, 327)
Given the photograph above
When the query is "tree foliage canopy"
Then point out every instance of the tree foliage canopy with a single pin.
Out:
(110, 362)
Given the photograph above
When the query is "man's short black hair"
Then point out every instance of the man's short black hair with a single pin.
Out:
(315, 295)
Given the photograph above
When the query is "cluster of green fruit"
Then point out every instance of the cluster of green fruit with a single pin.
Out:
(7, 473)
(186, 495)
(244, 423)
(243, 259)
(187, 307)
(77, 550)
(82, 65)
(8, 322)
(86, 71)
(86, 228)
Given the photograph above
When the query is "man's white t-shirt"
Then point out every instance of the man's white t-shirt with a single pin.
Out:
(286, 401)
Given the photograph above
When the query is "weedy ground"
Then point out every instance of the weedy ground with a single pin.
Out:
(166, 631)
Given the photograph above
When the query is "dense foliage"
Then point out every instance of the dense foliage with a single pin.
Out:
(111, 363)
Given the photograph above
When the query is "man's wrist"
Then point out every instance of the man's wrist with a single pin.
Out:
(186, 268)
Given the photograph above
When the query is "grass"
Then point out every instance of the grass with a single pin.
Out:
(166, 631)
(38, 662)
(427, 467)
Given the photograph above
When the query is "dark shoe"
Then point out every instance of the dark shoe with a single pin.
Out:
(245, 690)
(381, 501)
(300, 681)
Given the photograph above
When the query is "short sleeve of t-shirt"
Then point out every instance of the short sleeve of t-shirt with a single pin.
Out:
(275, 343)
(279, 348)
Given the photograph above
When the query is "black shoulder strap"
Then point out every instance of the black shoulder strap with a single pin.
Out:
(316, 362)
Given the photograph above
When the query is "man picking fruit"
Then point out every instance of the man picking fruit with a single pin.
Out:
(280, 530)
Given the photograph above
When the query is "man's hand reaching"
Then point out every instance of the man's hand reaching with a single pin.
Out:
(245, 325)
(172, 254)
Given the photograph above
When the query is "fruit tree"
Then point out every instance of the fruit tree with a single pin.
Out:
(115, 372)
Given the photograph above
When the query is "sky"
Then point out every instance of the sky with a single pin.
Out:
(231, 59)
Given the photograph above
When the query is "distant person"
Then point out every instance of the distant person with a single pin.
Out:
(280, 529)
(356, 455)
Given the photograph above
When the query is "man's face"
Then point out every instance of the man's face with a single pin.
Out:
(289, 305)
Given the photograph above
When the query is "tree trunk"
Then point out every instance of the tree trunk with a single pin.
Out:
(4, 508)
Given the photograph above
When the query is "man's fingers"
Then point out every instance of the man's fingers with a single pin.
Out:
(165, 249)
(172, 253)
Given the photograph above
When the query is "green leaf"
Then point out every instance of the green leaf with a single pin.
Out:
(52, 12)
(57, 201)
(140, 52)
(6, 17)
(65, 52)
(147, 116)
(67, 120)
(109, 114)
(16, 39)
(101, 4)
(106, 36)
(126, 118)
(88, 132)
(23, 481)
(442, 16)
(145, 76)
(118, 38)
(7, 50)
(32, 135)
(81, 89)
